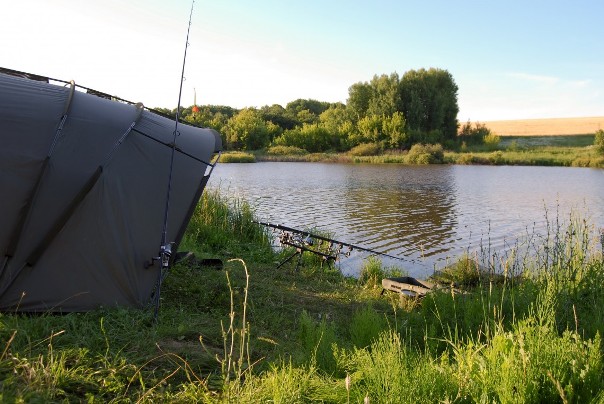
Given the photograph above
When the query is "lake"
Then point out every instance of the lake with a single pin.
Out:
(427, 215)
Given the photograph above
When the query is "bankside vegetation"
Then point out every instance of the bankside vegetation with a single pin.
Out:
(394, 112)
(383, 120)
(527, 328)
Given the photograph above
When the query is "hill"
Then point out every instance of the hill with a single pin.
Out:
(547, 127)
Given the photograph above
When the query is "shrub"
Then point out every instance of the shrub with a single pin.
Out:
(491, 141)
(366, 149)
(478, 134)
(312, 137)
(599, 141)
(426, 154)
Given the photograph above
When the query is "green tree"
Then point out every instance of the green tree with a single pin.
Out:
(385, 95)
(279, 116)
(359, 96)
(429, 102)
(337, 122)
(314, 106)
(395, 131)
(306, 116)
(247, 130)
(599, 141)
(370, 129)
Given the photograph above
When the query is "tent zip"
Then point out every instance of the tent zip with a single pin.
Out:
(25, 212)
(62, 220)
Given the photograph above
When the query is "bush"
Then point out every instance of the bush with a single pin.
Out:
(599, 141)
(286, 151)
(491, 141)
(426, 154)
(312, 137)
(478, 134)
(366, 149)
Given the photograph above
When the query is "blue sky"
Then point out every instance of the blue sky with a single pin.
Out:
(511, 60)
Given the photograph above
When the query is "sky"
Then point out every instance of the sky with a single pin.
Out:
(510, 59)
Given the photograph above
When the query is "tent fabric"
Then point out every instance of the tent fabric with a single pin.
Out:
(83, 204)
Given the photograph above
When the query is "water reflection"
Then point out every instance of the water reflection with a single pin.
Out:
(423, 214)
(406, 213)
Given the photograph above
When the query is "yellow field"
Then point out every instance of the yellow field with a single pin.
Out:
(547, 127)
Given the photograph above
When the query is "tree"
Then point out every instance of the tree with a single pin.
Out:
(370, 128)
(385, 95)
(337, 122)
(314, 106)
(395, 132)
(429, 102)
(307, 116)
(279, 116)
(247, 130)
(359, 96)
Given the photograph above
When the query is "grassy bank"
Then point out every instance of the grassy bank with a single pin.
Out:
(251, 333)
(568, 151)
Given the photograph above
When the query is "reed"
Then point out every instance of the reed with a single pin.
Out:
(237, 157)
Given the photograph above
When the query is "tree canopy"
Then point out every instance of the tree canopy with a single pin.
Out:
(390, 111)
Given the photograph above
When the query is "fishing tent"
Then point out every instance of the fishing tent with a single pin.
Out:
(84, 184)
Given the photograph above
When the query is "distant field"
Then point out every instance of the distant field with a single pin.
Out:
(547, 127)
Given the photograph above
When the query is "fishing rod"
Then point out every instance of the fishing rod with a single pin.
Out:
(311, 236)
(165, 249)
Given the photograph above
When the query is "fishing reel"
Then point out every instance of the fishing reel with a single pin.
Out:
(165, 254)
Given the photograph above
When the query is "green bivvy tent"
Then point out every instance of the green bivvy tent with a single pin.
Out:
(83, 189)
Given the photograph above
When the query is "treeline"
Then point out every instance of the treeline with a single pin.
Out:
(389, 112)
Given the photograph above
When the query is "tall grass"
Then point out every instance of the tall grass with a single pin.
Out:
(536, 339)
(531, 335)
(237, 157)
(225, 227)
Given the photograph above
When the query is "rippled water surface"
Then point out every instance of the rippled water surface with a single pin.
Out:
(424, 214)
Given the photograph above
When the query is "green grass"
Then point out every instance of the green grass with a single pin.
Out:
(251, 333)
(545, 156)
(524, 142)
(569, 151)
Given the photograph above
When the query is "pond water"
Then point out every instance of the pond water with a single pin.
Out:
(426, 215)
